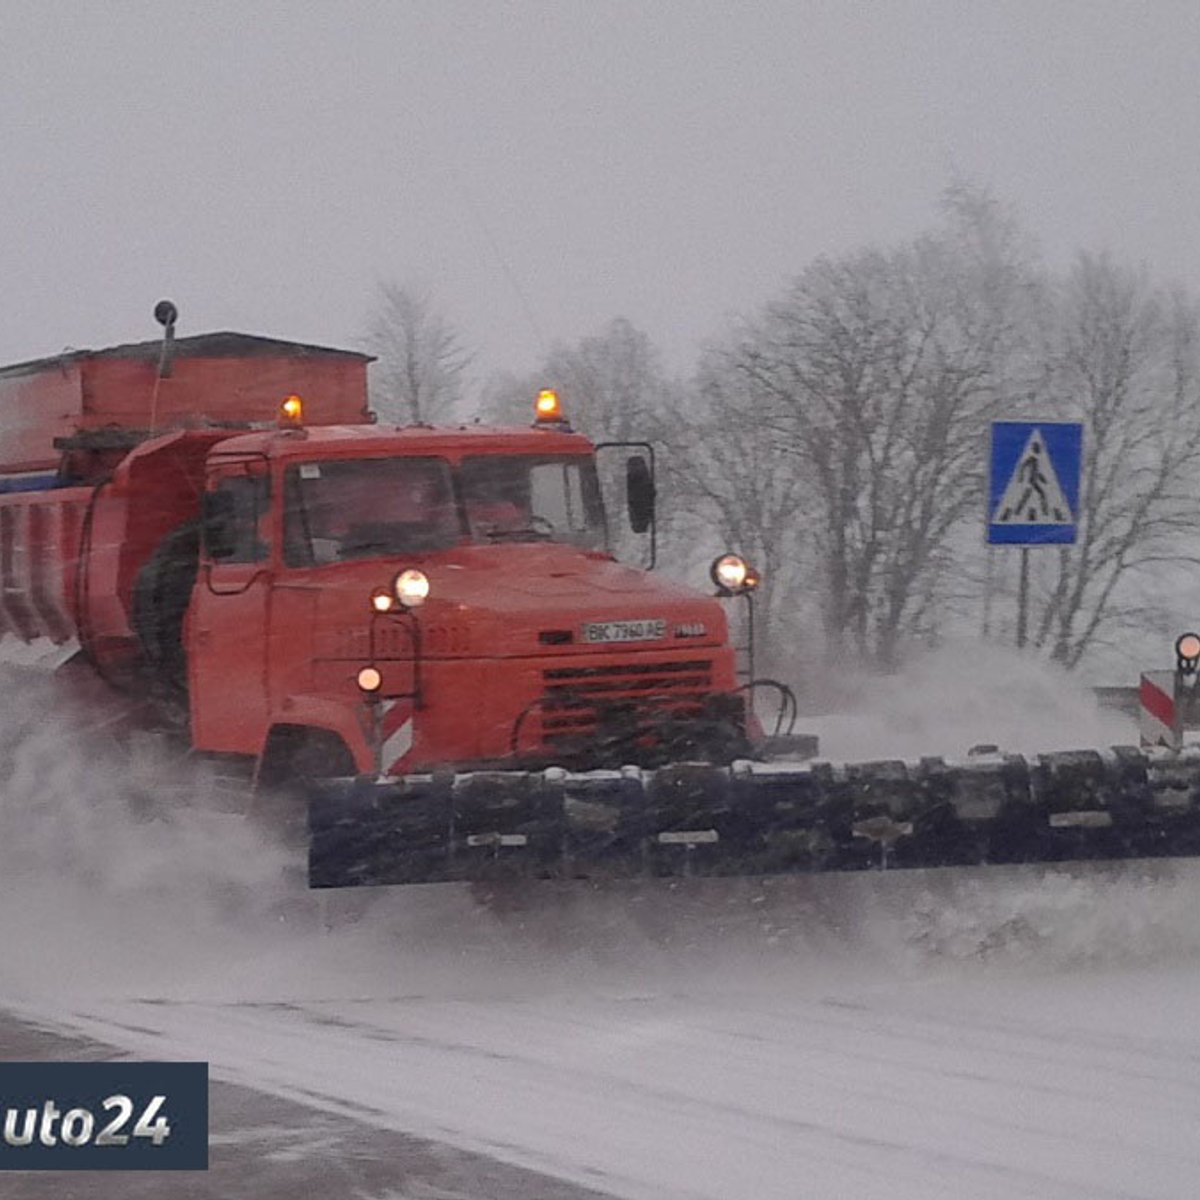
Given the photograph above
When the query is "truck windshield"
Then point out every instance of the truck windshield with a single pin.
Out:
(526, 497)
(362, 508)
(338, 510)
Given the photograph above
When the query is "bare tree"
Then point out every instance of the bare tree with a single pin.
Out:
(421, 358)
(1124, 357)
(880, 386)
(735, 488)
(838, 436)
(614, 382)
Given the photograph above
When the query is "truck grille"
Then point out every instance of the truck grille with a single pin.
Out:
(576, 701)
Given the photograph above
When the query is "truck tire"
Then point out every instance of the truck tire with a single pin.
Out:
(294, 755)
(161, 597)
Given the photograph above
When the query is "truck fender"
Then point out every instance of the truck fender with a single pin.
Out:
(331, 728)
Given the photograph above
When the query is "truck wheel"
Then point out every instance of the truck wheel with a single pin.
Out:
(161, 597)
(294, 755)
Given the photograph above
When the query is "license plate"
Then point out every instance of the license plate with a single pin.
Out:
(624, 631)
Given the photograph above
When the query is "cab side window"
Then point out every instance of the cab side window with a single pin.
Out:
(233, 519)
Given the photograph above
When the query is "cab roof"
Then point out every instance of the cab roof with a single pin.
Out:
(351, 441)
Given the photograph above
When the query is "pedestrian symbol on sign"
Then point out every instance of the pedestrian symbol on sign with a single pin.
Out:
(1033, 482)
(1033, 495)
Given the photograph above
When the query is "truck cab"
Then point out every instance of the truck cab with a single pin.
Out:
(465, 573)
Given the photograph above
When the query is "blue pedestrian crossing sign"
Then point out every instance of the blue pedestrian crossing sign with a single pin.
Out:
(1033, 482)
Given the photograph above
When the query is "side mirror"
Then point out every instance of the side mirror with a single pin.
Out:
(639, 491)
(217, 514)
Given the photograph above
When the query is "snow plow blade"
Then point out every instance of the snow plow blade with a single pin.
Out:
(754, 818)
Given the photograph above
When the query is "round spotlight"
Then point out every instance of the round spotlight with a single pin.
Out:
(1187, 647)
(730, 572)
(411, 587)
(369, 679)
(382, 600)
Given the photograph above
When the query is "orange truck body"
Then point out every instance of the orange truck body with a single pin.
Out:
(104, 467)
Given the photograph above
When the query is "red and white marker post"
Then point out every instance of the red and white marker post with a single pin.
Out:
(1158, 712)
(1163, 696)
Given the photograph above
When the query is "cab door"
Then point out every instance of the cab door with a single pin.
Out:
(227, 623)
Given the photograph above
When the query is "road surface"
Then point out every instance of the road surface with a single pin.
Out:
(1016, 1033)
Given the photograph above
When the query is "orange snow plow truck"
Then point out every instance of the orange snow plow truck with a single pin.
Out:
(420, 635)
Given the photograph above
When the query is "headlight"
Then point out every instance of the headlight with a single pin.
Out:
(730, 572)
(382, 600)
(411, 587)
(369, 679)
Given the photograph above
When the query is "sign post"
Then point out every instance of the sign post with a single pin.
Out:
(1034, 470)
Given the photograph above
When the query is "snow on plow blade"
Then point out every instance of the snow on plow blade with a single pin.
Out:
(754, 818)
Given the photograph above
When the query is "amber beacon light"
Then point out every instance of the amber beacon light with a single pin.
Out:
(548, 408)
(291, 412)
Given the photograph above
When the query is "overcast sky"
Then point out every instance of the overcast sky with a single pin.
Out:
(671, 162)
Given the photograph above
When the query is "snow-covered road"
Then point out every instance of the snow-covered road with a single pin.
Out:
(1025, 1034)
(735, 1095)
(997, 1033)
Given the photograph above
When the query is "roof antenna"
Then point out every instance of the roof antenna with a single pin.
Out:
(165, 313)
